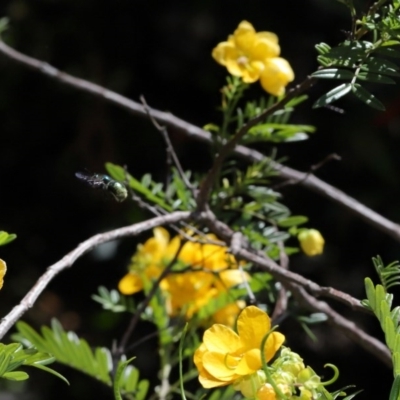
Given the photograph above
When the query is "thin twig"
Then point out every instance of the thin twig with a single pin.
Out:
(311, 171)
(170, 148)
(68, 260)
(309, 181)
(347, 327)
(282, 299)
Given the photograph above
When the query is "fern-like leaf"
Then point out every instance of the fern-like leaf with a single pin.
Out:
(389, 275)
(67, 348)
(13, 356)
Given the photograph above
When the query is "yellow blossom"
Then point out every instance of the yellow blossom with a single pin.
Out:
(202, 272)
(311, 242)
(225, 355)
(253, 55)
(3, 270)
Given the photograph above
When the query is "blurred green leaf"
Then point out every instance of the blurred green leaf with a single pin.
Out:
(333, 95)
(366, 97)
(333, 73)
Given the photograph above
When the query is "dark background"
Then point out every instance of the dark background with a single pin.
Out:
(163, 50)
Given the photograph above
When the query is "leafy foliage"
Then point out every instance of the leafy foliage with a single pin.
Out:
(389, 275)
(380, 302)
(67, 348)
(275, 128)
(356, 60)
(6, 238)
(113, 301)
(13, 356)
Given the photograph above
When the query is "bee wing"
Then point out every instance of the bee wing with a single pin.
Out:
(82, 176)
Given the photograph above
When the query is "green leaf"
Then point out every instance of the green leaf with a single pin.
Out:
(381, 66)
(118, 375)
(370, 291)
(296, 101)
(67, 349)
(333, 95)
(368, 98)
(16, 376)
(295, 220)
(116, 171)
(52, 371)
(3, 24)
(6, 237)
(378, 78)
(333, 73)
(395, 391)
(323, 48)
(388, 51)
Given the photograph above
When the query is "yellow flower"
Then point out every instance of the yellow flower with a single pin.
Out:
(252, 55)
(3, 270)
(150, 260)
(225, 356)
(202, 273)
(311, 242)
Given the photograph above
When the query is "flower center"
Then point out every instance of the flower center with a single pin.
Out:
(242, 60)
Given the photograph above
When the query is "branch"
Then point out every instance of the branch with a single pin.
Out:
(309, 181)
(230, 145)
(298, 285)
(349, 328)
(243, 252)
(67, 261)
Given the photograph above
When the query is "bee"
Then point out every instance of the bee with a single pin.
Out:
(101, 181)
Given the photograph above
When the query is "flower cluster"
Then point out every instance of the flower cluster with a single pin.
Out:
(229, 358)
(254, 56)
(201, 272)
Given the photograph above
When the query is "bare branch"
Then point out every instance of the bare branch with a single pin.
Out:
(170, 149)
(309, 181)
(68, 260)
(224, 232)
(347, 327)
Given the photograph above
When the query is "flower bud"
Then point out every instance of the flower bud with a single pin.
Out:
(311, 242)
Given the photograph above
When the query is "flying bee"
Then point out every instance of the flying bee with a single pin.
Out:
(100, 181)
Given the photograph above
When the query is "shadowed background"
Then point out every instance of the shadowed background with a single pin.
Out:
(163, 51)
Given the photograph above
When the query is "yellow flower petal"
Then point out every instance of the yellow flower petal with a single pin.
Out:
(253, 324)
(233, 277)
(205, 378)
(276, 75)
(221, 366)
(131, 283)
(250, 362)
(3, 270)
(220, 338)
(273, 344)
(223, 52)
